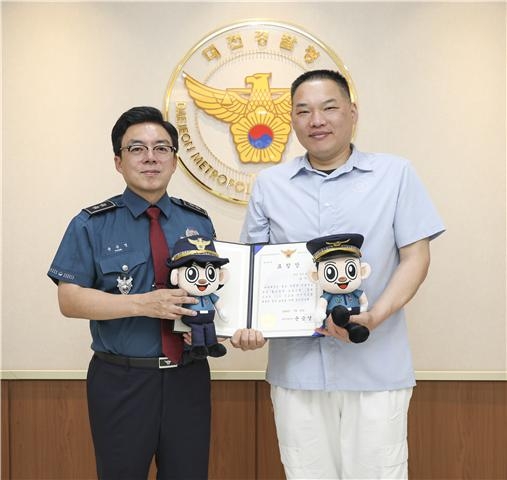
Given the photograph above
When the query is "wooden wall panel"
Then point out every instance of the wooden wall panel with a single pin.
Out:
(49, 431)
(458, 430)
(269, 465)
(5, 430)
(233, 434)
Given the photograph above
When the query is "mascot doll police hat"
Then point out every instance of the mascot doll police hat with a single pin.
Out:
(195, 249)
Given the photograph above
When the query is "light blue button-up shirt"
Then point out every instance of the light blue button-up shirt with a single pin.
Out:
(376, 195)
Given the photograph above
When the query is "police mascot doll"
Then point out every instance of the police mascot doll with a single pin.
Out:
(196, 268)
(339, 271)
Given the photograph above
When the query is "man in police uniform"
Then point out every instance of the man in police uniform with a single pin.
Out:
(104, 273)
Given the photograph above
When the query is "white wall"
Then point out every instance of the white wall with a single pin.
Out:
(430, 79)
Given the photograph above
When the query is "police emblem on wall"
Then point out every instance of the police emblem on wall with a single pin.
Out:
(229, 98)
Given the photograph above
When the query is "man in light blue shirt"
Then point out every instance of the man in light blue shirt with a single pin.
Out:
(341, 408)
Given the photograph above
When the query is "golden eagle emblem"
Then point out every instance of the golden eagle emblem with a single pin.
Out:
(259, 116)
(288, 253)
(200, 243)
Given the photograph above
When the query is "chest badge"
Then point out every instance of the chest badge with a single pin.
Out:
(123, 282)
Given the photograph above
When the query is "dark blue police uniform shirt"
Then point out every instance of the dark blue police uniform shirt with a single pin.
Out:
(113, 242)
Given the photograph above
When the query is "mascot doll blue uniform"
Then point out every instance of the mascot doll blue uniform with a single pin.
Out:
(339, 271)
(196, 268)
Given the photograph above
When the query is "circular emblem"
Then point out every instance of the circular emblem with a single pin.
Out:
(229, 98)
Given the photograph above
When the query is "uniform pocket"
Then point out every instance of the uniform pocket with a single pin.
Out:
(117, 269)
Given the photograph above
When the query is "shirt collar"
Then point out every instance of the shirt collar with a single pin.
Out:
(357, 159)
(138, 205)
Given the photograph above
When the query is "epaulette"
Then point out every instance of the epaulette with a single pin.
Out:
(101, 207)
(190, 206)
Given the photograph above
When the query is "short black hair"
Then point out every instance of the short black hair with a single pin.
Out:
(335, 76)
(138, 115)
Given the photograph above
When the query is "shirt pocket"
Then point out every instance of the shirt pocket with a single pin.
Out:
(124, 269)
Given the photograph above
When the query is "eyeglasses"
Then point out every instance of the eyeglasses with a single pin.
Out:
(140, 150)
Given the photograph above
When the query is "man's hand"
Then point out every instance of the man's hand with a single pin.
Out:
(82, 302)
(167, 303)
(248, 339)
(366, 319)
(333, 330)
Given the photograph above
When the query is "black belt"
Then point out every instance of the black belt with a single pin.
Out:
(142, 362)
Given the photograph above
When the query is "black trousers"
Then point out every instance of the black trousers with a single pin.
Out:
(203, 328)
(136, 413)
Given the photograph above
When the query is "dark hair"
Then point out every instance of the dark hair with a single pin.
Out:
(138, 115)
(336, 77)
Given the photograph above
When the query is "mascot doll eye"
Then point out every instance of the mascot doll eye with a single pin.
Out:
(211, 273)
(191, 274)
(351, 269)
(330, 272)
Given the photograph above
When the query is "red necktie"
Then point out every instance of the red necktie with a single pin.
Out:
(172, 344)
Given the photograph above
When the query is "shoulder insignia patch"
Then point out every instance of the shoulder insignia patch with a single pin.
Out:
(190, 206)
(100, 207)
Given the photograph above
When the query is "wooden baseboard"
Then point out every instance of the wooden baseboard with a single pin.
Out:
(457, 430)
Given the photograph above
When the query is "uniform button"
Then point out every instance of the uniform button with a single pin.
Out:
(125, 268)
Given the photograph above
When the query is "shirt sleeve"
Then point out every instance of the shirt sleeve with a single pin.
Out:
(74, 262)
(416, 216)
(256, 225)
